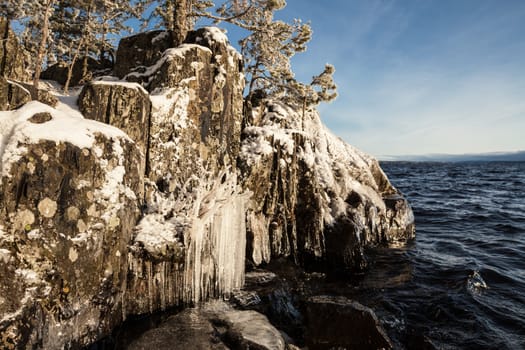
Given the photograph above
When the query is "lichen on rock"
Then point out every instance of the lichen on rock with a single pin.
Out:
(60, 270)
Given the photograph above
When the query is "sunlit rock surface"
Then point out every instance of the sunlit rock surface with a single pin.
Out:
(70, 198)
(142, 50)
(126, 106)
(11, 54)
(12, 95)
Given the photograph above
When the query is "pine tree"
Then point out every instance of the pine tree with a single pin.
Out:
(326, 87)
(13, 9)
(178, 16)
(84, 28)
(113, 15)
(267, 50)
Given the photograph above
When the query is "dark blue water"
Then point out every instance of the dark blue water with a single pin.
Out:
(462, 282)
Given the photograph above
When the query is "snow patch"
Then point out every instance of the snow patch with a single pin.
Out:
(214, 34)
(5, 255)
(159, 37)
(167, 56)
(29, 275)
(126, 84)
(16, 130)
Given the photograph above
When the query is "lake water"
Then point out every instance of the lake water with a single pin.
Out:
(461, 283)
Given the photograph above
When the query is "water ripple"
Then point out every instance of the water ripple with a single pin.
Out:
(466, 287)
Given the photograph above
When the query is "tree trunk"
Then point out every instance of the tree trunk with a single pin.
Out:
(181, 22)
(71, 67)
(85, 64)
(42, 48)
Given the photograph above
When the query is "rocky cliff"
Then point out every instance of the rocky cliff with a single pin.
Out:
(316, 198)
(162, 206)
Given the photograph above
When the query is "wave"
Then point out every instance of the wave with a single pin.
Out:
(467, 284)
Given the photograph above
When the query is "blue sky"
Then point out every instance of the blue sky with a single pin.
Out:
(420, 76)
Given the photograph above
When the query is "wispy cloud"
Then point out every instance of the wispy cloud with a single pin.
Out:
(428, 77)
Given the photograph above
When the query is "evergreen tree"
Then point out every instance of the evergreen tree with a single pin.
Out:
(13, 9)
(178, 15)
(267, 50)
(324, 87)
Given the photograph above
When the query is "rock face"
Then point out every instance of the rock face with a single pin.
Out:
(316, 198)
(137, 52)
(124, 105)
(58, 72)
(190, 244)
(11, 54)
(68, 205)
(14, 91)
(12, 95)
(98, 223)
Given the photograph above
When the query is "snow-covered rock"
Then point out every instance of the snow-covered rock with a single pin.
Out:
(70, 197)
(191, 241)
(316, 198)
(124, 105)
(141, 50)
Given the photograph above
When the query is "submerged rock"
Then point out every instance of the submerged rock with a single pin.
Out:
(212, 326)
(337, 322)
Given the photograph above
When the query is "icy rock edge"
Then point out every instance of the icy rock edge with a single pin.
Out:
(316, 199)
(162, 208)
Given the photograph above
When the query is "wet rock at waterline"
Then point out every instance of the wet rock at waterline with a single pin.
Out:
(213, 326)
(337, 322)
